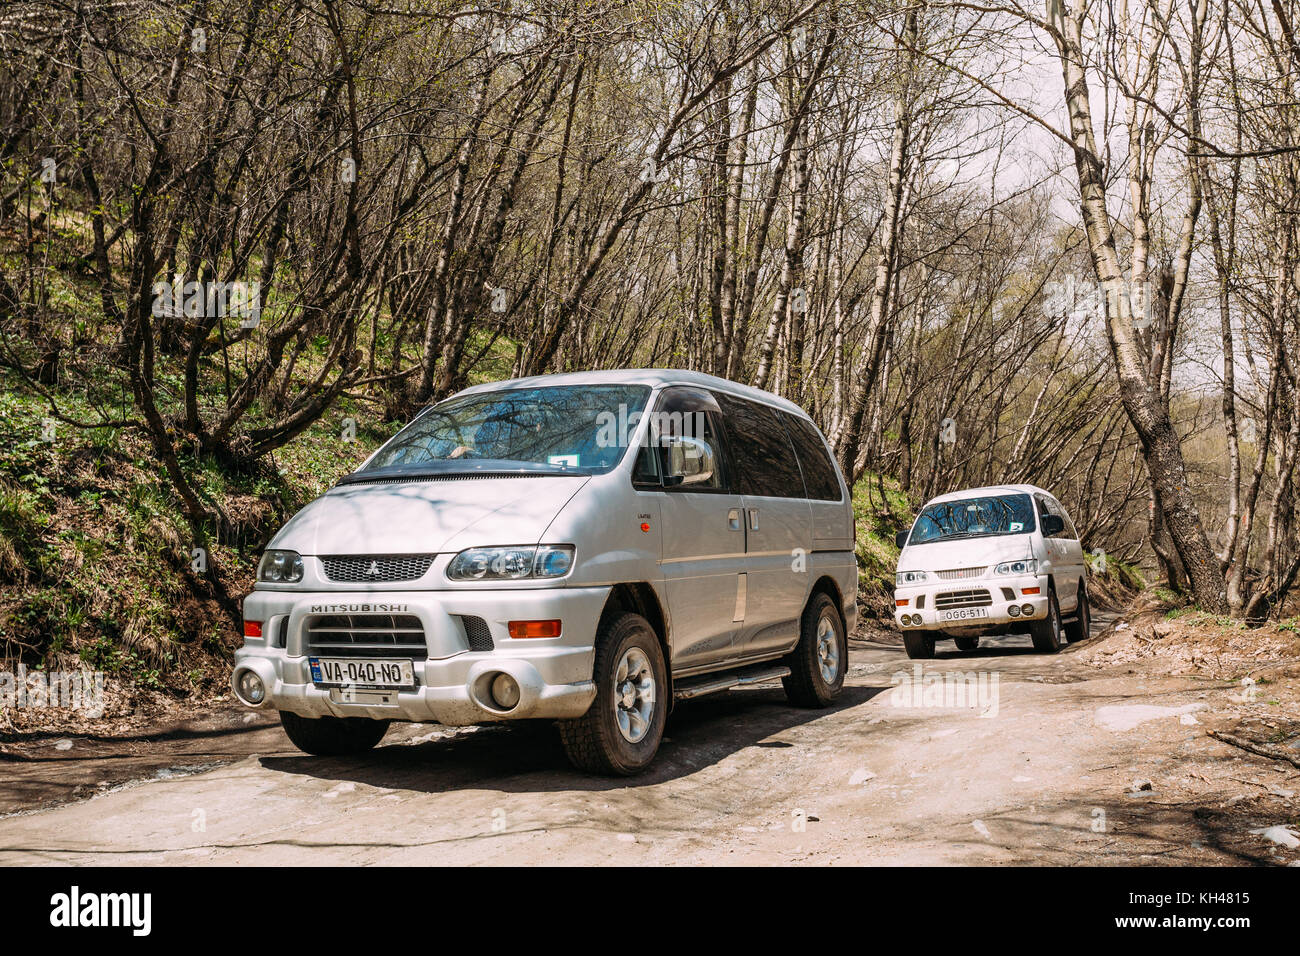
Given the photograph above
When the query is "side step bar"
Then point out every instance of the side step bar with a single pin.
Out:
(713, 683)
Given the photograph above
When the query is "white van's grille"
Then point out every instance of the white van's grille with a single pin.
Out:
(365, 635)
(357, 568)
(950, 599)
(960, 574)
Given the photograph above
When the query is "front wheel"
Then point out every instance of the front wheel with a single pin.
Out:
(967, 643)
(332, 736)
(1077, 630)
(1047, 632)
(621, 730)
(919, 644)
(821, 658)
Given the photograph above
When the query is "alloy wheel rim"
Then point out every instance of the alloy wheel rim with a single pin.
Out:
(634, 695)
(828, 650)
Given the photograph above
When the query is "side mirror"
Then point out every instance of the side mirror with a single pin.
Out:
(688, 461)
(1052, 525)
(900, 539)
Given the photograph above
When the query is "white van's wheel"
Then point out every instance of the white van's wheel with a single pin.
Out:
(1047, 633)
(967, 643)
(332, 736)
(621, 731)
(821, 658)
(1077, 630)
(919, 645)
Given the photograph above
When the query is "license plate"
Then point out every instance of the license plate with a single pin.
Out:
(361, 673)
(963, 614)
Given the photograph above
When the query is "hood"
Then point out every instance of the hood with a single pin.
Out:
(423, 517)
(966, 553)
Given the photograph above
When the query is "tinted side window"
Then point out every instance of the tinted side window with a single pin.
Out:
(1057, 509)
(819, 476)
(762, 458)
(1045, 508)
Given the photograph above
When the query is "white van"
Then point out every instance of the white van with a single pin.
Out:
(544, 548)
(991, 561)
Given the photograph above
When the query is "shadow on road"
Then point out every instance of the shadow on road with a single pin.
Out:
(526, 756)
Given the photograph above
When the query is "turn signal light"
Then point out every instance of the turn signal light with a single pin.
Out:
(252, 629)
(1029, 590)
(901, 602)
(518, 629)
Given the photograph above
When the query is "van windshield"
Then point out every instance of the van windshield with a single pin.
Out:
(559, 429)
(974, 518)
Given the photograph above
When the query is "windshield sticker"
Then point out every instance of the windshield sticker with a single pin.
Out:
(1016, 526)
(569, 460)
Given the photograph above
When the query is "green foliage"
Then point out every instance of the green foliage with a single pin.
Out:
(878, 517)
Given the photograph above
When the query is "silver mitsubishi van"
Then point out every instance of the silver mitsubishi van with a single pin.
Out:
(584, 547)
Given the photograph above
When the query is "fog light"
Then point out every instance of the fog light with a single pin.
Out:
(505, 692)
(1013, 610)
(1027, 610)
(251, 689)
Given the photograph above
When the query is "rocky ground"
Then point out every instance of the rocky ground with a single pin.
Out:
(1100, 754)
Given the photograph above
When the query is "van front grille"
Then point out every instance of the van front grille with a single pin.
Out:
(361, 568)
(365, 635)
(952, 599)
(960, 574)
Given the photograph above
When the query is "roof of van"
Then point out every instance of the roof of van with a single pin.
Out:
(643, 376)
(991, 490)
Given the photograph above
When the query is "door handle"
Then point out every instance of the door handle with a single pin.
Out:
(733, 519)
(753, 519)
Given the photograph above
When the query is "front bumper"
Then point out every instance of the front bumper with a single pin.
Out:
(928, 603)
(452, 682)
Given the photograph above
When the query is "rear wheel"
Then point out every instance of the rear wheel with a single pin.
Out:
(1077, 630)
(967, 643)
(919, 644)
(332, 736)
(620, 733)
(821, 658)
(1047, 633)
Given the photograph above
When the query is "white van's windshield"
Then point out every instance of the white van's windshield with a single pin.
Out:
(974, 518)
(555, 429)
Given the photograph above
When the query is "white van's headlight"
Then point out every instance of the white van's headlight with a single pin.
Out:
(1028, 566)
(280, 567)
(511, 564)
(909, 577)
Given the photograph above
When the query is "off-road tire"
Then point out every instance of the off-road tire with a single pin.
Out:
(594, 742)
(1077, 630)
(919, 644)
(1047, 632)
(806, 684)
(332, 736)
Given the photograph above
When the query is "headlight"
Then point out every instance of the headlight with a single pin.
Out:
(1029, 566)
(909, 577)
(511, 564)
(280, 567)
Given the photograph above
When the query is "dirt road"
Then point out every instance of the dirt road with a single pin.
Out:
(1046, 759)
